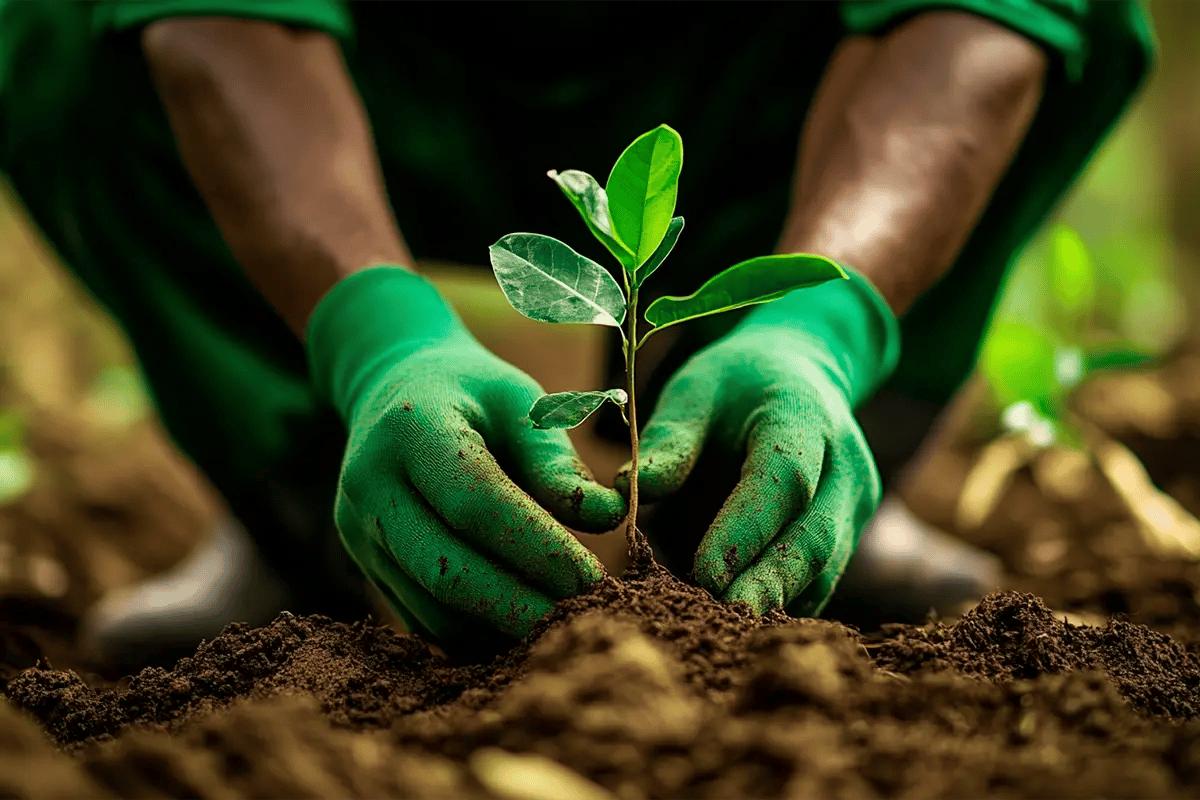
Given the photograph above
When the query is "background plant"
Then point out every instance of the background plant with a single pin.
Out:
(633, 216)
(1031, 367)
(1032, 364)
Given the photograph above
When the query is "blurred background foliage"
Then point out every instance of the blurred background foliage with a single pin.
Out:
(1130, 232)
(1110, 281)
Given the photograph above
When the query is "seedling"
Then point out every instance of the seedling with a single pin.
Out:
(17, 470)
(1033, 367)
(1031, 370)
(633, 217)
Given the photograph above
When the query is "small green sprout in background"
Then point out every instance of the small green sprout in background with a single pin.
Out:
(17, 468)
(633, 217)
(1031, 369)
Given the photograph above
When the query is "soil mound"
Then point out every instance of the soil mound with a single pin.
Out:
(1014, 636)
(365, 676)
(644, 688)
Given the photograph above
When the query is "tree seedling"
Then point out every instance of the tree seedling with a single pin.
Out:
(17, 468)
(1032, 369)
(633, 217)
(1033, 366)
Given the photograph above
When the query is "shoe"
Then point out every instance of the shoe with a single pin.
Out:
(164, 618)
(904, 570)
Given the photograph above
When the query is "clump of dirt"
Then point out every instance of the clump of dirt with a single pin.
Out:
(282, 747)
(30, 767)
(811, 714)
(365, 675)
(1014, 636)
(362, 674)
(707, 636)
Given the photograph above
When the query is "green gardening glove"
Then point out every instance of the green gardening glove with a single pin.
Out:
(460, 545)
(775, 399)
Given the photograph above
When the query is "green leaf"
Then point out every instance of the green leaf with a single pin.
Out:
(546, 280)
(590, 199)
(12, 428)
(642, 188)
(1126, 356)
(568, 409)
(660, 255)
(1021, 364)
(17, 474)
(758, 280)
(1072, 279)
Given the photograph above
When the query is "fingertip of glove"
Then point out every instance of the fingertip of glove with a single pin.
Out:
(738, 592)
(593, 574)
(712, 577)
(661, 472)
(621, 482)
(593, 508)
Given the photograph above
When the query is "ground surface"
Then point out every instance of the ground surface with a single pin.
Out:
(647, 688)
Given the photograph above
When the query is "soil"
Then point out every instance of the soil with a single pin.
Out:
(1082, 679)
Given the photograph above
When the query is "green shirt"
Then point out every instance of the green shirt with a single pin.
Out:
(467, 118)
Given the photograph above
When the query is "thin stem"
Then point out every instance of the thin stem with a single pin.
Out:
(639, 549)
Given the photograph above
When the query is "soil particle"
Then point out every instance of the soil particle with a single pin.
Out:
(731, 558)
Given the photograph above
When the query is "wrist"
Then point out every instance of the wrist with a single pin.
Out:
(848, 321)
(367, 322)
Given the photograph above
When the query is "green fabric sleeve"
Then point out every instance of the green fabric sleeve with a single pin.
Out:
(1055, 24)
(330, 16)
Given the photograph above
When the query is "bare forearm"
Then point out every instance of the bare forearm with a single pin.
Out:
(907, 138)
(276, 139)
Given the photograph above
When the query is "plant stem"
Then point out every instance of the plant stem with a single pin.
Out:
(639, 548)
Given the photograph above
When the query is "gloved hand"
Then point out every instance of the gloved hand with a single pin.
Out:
(776, 397)
(457, 542)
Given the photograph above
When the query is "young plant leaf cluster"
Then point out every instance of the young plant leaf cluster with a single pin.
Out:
(633, 216)
(1032, 368)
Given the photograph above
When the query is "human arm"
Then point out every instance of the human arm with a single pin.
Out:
(906, 139)
(272, 132)
(270, 127)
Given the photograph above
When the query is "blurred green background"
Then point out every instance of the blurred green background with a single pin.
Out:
(1137, 208)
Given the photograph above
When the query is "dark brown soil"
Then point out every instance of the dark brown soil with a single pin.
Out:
(648, 688)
